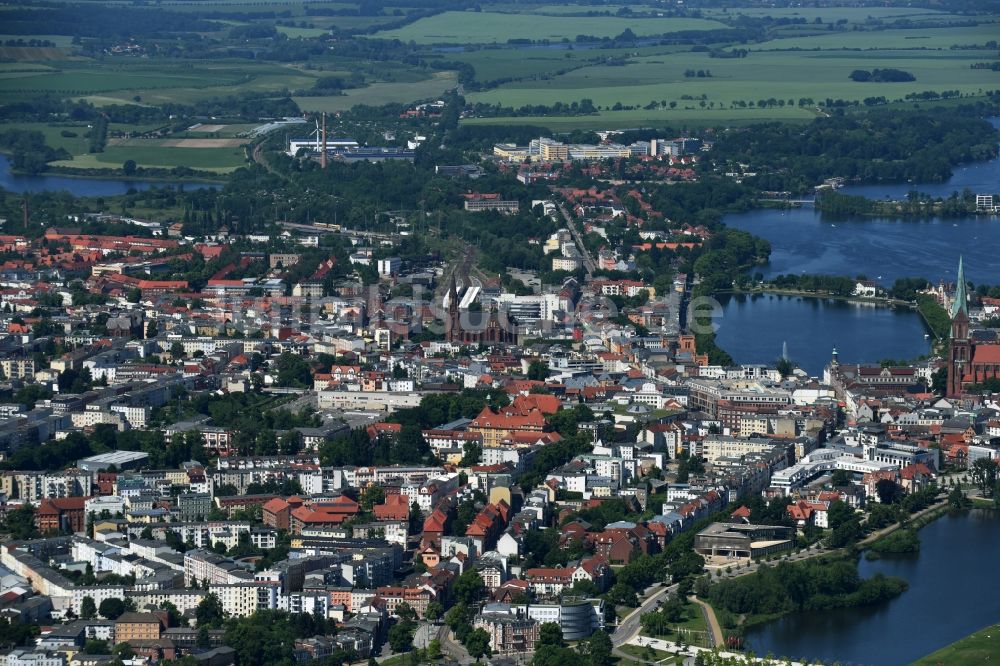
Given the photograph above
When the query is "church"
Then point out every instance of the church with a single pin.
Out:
(487, 330)
(969, 362)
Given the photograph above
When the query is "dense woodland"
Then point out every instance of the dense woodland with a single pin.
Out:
(877, 146)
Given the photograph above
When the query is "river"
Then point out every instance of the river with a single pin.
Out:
(953, 593)
(83, 187)
(754, 328)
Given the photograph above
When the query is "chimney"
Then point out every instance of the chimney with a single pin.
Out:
(322, 159)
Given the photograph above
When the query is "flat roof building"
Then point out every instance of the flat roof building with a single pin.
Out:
(119, 459)
(738, 540)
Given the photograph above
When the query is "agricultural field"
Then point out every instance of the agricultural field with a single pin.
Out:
(468, 27)
(381, 93)
(165, 153)
(827, 15)
(659, 91)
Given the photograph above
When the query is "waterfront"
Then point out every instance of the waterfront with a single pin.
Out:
(882, 249)
(982, 178)
(952, 593)
(82, 187)
(754, 327)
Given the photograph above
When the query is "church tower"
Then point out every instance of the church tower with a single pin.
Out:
(960, 354)
(453, 324)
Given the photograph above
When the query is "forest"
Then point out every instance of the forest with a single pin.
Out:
(809, 585)
(877, 146)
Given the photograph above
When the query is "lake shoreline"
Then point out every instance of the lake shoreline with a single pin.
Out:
(884, 302)
(808, 633)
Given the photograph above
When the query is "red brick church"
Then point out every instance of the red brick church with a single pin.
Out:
(969, 362)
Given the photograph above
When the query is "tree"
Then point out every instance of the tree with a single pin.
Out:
(371, 496)
(401, 636)
(550, 633)
(984, 472)
(209, 612)
(173, 614)
(478, 644)
(94, 646)
(839, 513)
(177, 349)
(292, 370)
(434, 611)
(20, 522)
(839, 478)
(469, 587)
(434, 650)
(599, 649)
(129, 167)
(405, 612)
(112, 608)
(204, 639)
(538, 371)
(888, 491)
(88, 609)
(621, 594)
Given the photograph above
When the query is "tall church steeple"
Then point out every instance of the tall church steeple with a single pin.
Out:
(960, 353)
(961, 303)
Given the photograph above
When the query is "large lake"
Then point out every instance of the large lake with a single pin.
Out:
(82, 187)
(953, 592)
(753, 329)
(804, 241)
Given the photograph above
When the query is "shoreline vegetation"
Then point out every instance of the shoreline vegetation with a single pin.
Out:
(899, 538)
(145, 175)
(916, 205)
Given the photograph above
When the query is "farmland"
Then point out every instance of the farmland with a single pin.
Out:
(380, 93)
(638, 65)
(160, 153)
(467, 27)
(655, 86)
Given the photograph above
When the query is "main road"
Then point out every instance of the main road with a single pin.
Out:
(588, 261)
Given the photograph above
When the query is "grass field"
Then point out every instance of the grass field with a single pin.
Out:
(783, 75)
(301, 32)
(146, 153)
(690, 117)
(468, 27)
(818, 68)
(381, 93)
(981, 647)
(854, 15)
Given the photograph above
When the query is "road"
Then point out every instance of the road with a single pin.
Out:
(588, 261)
(628, 628)
(452, 648)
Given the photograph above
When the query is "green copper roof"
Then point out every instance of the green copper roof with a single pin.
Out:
(961, 303)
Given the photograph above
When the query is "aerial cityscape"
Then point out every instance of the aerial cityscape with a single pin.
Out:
(402, 332)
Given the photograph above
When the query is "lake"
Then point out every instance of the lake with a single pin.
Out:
(804, 241)
(82, 187)
(753, 329)
(953, 593)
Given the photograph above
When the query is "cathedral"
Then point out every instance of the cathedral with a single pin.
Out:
(969, 362)
(487, 330)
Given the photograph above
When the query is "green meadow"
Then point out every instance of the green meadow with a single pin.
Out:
(814, 67)
(495, 27)
(979, 648)
(158, 155)
(381, 93)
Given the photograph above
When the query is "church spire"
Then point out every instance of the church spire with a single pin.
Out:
(961, 303)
